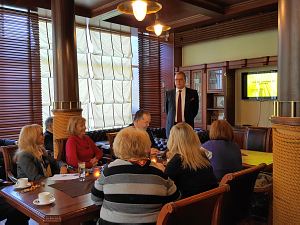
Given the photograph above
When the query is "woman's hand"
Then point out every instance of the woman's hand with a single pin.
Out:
(160, 166)
(154, 151)
(94, 161)
(63, 170)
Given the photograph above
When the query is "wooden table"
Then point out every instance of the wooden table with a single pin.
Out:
(65, 210)
(254, 158)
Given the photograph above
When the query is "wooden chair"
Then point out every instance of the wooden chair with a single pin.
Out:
(61, 145)
(237, 202)
(239, 136)
(111, 137)
(200, 209)
(259, 139)
(9, 163)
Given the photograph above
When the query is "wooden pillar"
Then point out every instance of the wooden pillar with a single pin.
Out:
(66, 91)
(286, 123)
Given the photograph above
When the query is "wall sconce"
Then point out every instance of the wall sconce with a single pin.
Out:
(139, 8)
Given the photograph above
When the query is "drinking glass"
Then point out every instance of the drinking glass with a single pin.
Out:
(81, 171)
(153, 158)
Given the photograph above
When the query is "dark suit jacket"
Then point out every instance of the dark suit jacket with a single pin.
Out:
(48, 141)
(190, 109)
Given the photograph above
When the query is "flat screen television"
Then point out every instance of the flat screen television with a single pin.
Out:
(259, 85)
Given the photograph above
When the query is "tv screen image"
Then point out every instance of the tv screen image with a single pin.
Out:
(259, 85)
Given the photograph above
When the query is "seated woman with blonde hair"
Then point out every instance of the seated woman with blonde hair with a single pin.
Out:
(188, 164)
(80, 147)
(226, 154)
(131, 189)
(32, 159)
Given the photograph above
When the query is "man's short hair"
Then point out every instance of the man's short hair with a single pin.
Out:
(48, 122)
(139, 114)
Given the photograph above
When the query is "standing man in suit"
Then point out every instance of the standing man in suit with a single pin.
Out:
(182, 96)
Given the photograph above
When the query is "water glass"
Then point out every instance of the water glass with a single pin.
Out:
(81, 171)
(153, 158)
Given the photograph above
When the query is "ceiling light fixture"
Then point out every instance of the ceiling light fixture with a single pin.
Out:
(158, 28)
(139, 8)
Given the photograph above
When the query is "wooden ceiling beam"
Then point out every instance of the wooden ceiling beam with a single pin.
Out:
(250, 5)
(187, 21)
(233, 11)
(45, 4)
(112, 5)
(208, 8)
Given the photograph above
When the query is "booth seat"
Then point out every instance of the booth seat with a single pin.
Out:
(159, 134)
(100, 138)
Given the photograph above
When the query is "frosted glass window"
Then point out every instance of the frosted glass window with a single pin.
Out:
(117, 46)
(96, 42)
(81, 40)
(104, 76)
(118, 68)
(97, 69)
(107, 68)
(106, 44)
(82, 62)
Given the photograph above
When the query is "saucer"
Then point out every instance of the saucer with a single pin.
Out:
(16, 186)
(37, 202)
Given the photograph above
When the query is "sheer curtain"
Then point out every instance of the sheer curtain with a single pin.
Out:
(104, 75)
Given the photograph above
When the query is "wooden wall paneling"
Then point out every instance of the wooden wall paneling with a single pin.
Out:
(237, 64)
(273, 61)
(166, 73)
(250, 24)
(216, 65)
(257, 62)
(230, 96)
(204, 98)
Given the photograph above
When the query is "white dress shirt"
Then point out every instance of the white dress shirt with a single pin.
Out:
(182, 102)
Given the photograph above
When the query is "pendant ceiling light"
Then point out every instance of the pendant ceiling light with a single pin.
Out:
(158, 28)
(139, 8)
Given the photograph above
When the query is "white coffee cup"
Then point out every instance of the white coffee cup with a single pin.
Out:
(45, 197)
(22, 182)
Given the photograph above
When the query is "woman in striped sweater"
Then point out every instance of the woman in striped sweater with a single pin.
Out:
(132, 189)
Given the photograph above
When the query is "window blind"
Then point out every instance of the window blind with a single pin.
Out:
(149, 77)
(20, 80)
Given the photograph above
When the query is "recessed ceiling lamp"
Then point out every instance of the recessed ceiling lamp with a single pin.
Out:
(139, 8)
(158, 28)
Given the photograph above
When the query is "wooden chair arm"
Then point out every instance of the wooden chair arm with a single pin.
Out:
(11, 177)
(5, 183)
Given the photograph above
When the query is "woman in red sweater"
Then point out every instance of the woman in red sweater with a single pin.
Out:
(80, 147)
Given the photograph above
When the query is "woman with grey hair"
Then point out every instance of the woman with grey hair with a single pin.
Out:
(132, 189)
